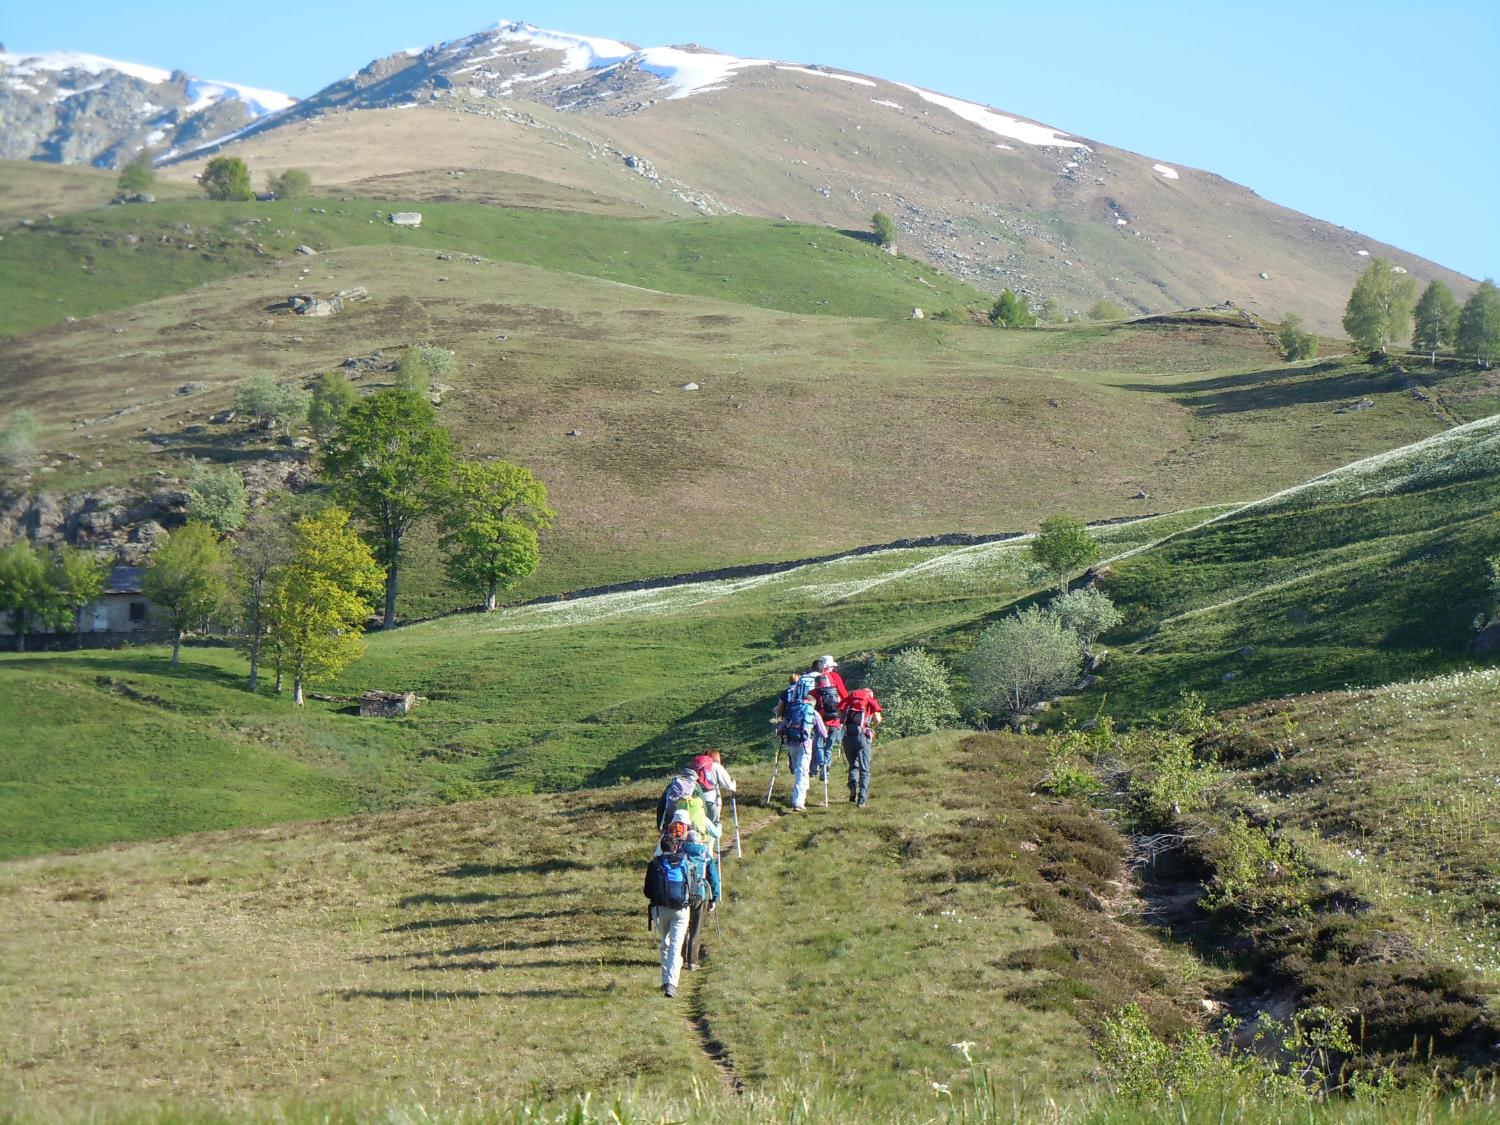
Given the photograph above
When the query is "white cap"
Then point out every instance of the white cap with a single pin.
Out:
(681, 817)
(826, 661)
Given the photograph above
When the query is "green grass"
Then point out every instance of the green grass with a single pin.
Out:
(460, 963)
(1372, 575)
(111, 259)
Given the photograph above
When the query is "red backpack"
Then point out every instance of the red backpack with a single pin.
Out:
(704, 764)
(860, 706)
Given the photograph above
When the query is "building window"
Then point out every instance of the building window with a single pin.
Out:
(137, 612)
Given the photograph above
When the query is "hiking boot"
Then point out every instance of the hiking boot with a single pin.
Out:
(671, 993)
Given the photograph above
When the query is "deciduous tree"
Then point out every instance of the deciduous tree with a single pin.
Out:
(332, 396)
(138, 175)
(217, 496)
(260, 549)
(185, 579)
(1479, 324)
(1436, 319)
(1089, 613)
(389, 461)
(1379, 307)
(1062, 548)
(294, 183)
(319, 599)
(883, 228)
(913, 689)
(491, 518)
(27, 592)
(227, 177)
(1021, 661)
(78, 576)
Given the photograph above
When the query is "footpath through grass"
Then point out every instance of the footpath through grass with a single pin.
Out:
(941, 955)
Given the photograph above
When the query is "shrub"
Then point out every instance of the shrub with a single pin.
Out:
(294, 183)
(1254, 871)
(1105, 309)
(1022, 660)
(1012, 311)
(883, 228)
(1296, 342)
(283, 404)
(217, 496)
(227, 177)
(1068, 771)
(1167, 778)
(912, 687)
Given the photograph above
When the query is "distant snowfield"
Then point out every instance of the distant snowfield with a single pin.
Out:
(51, 61)
(858, 81)
(1026, 132)
(1168, 173)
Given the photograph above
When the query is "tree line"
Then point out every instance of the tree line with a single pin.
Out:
(226, 177)
(1384, 305)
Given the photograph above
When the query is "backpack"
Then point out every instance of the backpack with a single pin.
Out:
(671, 881)
(678, 788)
(860, 707)
(798, 724)
(807, 684)
(704, 764)
(828, 699)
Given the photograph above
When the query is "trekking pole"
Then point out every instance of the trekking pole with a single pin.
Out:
(827, 764)
(735, 811)
(775, 758)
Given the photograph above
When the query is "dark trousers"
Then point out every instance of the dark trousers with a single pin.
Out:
(857, 744)
(696, 915)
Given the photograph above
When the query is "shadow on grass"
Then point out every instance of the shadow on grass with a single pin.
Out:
(484, 919)
(490, 870)
(550, 963)
(469, 994)
(1275, 389)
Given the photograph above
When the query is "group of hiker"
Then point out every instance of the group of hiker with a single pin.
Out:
(684, 882)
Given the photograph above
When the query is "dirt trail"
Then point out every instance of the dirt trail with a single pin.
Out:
(696, 1018)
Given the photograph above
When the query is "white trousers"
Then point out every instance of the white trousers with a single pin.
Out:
(800, 756)
(671, 928)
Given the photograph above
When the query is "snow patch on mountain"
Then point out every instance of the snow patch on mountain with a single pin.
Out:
(691, 72)
(62, 61)
(858, 81)
(1027, 132)
(259, 103)
(1167, 173)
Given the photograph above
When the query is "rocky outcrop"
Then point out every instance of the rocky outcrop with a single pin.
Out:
(129, 523)
(80, 109)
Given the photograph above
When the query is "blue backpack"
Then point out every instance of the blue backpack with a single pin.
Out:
(797, 723)
(671, 881)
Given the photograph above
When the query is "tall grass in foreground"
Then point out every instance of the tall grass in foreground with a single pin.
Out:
(985, 1101)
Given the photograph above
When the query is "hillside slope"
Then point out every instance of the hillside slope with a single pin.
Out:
(995, 199)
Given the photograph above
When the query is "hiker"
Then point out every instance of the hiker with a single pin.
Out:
(671, 890)
(705, 863)
(830, 693)
(696, 809)
(682, 785)
(861, 713)
(788, 696)
(718, 786)
(800, 729)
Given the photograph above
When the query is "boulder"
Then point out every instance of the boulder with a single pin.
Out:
(192, 388)
(690, 386)
(221, 417)
(307, 250)
(406, 218)
(918, 314)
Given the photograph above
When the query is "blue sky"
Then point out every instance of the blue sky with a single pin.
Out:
(1379, 116)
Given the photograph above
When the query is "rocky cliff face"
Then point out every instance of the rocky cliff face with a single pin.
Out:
(82, 109)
